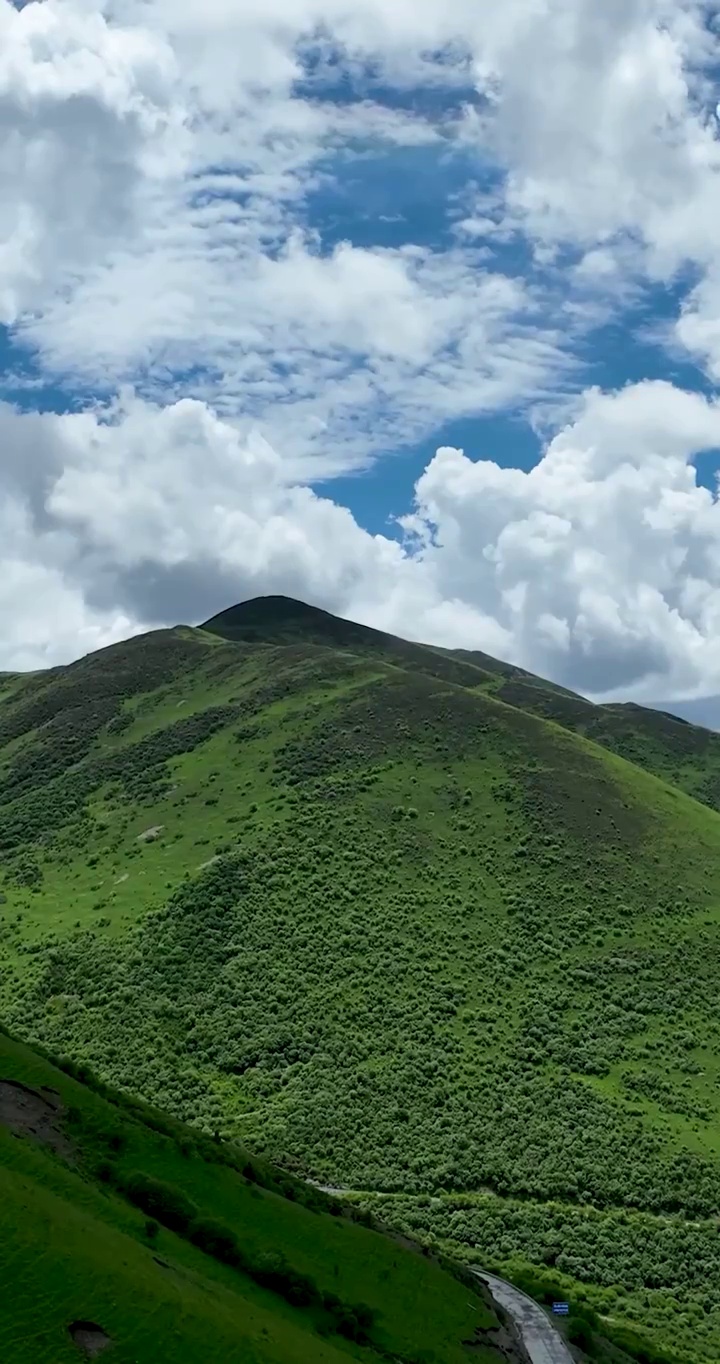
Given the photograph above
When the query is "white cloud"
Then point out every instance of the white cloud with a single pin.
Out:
(603, 116)
(185, 263)
(602, 561)
(599, 567)
(599, 116)
(335, 355)
(45, 617)
(85, 115)
(184, 258)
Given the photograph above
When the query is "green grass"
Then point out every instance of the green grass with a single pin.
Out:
(72, 1247)
(405, 928)
(685, 755)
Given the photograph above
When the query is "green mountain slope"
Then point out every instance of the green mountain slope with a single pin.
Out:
(341, 901)
(119, 1227)
(686, 755)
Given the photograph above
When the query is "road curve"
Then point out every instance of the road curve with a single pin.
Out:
(543, 1343)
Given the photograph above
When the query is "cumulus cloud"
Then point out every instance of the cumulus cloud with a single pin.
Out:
(600, 566)
(85, 115)
(602, 560)
(616, 144)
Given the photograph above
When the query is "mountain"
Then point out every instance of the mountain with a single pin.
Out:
(124, 1231)
(419, 925)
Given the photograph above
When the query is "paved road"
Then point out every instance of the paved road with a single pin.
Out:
(543, 1343)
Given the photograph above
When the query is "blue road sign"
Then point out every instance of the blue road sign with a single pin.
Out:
(561, 1308)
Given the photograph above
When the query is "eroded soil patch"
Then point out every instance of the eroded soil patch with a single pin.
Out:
(90, 1338)
(34, 1113)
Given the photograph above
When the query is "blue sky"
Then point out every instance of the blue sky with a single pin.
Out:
(354, 302)
(615, 355)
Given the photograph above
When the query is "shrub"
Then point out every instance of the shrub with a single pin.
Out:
(272, 1271)
(217, 1240)
(365, 1315)
(347, 1324)
(168, 1204)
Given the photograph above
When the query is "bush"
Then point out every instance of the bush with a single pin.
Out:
(272, 1271)
(347, 1324)
(642, 1351)
(579, 1333)
(168, 1204)
(215, 1239)
(299, 1289)
(365, 1315)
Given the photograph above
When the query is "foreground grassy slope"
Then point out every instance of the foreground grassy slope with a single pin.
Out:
(389, 929)
(77, 1245)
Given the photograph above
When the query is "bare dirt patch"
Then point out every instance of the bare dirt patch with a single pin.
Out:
(91, 1339)
(149, 835)
(34, 1113)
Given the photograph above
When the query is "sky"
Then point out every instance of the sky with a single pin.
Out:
(410, 310)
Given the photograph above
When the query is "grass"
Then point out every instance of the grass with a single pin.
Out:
(404, 927)
(74, 1248)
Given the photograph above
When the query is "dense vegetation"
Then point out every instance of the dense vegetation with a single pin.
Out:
(361, 905)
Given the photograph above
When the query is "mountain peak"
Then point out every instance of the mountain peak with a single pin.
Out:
(285, 620)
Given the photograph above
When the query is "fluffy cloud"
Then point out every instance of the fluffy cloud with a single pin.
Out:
(85, 116)
(156, 184)
(599, 122)
(598, 116)
(601, 562)
(600, 566)
(169, 143)
(604, 118)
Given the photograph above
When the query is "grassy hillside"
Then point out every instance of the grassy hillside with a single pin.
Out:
(338, 899)
(685, 755)
(173, 1248)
